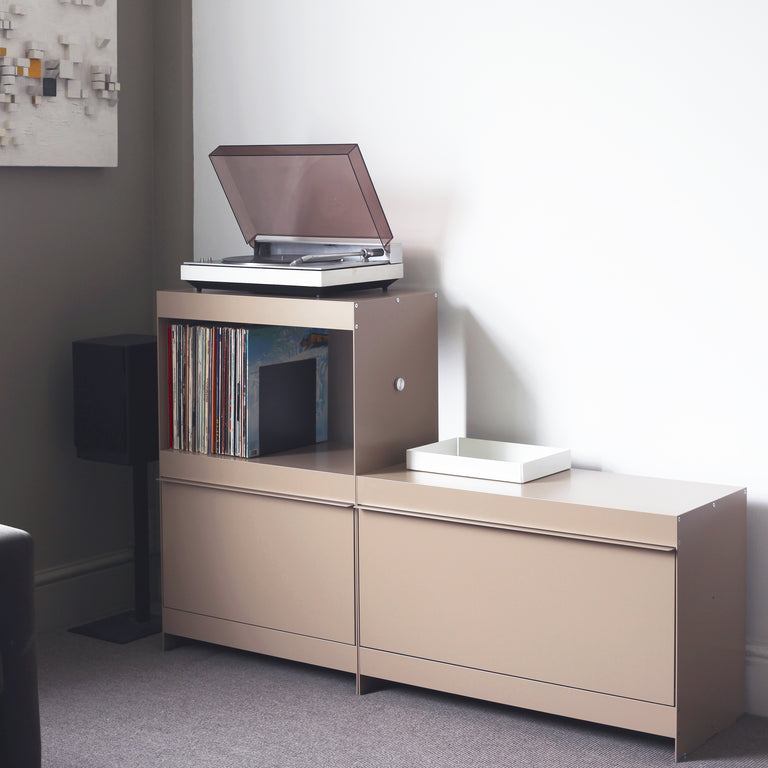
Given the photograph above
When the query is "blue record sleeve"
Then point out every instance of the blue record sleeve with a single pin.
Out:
(269, 345)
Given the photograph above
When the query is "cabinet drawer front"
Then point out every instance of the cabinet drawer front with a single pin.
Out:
(584, 614)
(271, 562)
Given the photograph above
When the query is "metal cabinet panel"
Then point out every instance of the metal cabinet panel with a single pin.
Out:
(395, 340)
(314, 472)
(711, 619)
(585, 614)
(271, 562)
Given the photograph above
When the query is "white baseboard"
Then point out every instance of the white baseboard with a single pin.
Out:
(79, 592)
(757, 679)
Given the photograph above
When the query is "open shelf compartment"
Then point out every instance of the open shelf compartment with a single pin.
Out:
(374, 339)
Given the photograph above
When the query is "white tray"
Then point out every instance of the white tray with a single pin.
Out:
(488, 459)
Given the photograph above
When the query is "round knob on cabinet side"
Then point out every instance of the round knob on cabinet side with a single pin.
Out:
(399, 383)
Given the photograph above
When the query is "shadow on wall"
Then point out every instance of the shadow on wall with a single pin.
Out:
(757, 570)
(422, 219)
(499, 405)
(757, 599)
(422, 269)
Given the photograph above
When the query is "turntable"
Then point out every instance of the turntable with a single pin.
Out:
(311, 215)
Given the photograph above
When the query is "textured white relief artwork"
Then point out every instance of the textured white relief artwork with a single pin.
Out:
(59, 86)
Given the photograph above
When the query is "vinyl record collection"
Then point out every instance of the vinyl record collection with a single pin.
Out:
(216, 378)
(208, 394)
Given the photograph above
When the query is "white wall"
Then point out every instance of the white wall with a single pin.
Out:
(584, 183)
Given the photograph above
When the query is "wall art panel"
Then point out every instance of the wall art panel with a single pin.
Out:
(59, 86)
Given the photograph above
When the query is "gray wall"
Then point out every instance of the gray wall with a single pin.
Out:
(173, 141)
(81, 259)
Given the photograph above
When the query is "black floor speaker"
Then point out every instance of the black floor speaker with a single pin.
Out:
(115, 408)
(115, 398)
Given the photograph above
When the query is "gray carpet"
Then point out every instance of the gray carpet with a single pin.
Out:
(199, 706)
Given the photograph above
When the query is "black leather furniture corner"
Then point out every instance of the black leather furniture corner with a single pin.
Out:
(19, 710)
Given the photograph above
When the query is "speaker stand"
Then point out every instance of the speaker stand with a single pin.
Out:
(132, 625)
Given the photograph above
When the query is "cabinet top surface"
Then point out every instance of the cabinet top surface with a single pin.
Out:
(333, 312)
(580, 487)
(346, 297)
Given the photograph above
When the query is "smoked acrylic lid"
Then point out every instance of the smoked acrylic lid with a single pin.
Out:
(301, 192)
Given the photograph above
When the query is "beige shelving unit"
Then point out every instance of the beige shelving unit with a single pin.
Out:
(614, 599)
(609, 598)
(260, 553)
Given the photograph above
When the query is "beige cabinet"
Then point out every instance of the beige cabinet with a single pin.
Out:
(603, 597)
(233, 555)
(589, 615)
(259, 553)
(614, 599)
(375, 339)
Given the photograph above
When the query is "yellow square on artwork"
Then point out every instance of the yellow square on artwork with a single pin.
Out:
(36, 68)
(3, 51)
